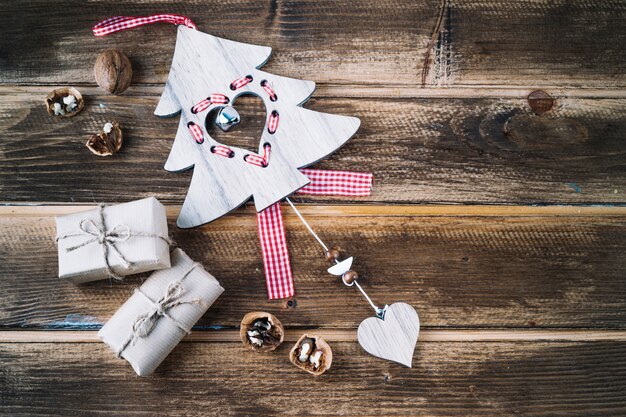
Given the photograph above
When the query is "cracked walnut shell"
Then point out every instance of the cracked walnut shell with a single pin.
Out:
(312, 354)
(107, 142)
(261, 332)
(58, 106)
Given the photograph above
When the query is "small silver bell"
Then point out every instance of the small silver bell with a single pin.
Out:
(226, 118)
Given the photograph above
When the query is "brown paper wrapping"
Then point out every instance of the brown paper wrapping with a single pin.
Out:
(146, 253)
(146, 353)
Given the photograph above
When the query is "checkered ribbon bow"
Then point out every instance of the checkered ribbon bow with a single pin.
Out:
(278, 275)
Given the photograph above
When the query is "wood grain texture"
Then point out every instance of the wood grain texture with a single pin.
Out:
(469, 150)
(455, 378)
(339, 335)
(524, 308)
(463, 271)
(426, 42)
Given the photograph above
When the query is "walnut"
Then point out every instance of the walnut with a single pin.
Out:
(108, 141)
(113, 71)
(261, 331)
(312, 354)
(64, 102)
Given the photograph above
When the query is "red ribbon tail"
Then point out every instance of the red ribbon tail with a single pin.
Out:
(275, 253)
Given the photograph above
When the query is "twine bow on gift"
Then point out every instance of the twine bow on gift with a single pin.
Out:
(107, 239)
(145, 323)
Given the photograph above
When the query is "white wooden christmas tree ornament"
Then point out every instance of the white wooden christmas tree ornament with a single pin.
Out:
(206, 66)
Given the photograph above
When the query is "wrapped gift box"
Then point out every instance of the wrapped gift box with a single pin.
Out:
(134, 239)
(159, 314)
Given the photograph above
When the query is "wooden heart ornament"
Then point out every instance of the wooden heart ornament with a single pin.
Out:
(394, 336)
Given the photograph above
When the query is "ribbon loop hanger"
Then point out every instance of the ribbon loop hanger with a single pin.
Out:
(119, 23)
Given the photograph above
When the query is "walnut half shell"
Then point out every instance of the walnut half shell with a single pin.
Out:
(261, 332)
(57, 107)
(106, 143)
(312, 354)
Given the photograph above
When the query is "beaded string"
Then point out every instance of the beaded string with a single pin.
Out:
(380, 312)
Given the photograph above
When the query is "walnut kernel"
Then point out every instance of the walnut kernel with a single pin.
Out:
(312, 354)
(64, 102)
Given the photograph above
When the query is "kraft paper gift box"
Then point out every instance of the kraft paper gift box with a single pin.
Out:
(133, 239)
(160, 312)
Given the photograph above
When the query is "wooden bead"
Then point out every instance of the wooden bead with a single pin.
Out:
(333, 254)
(349, 277)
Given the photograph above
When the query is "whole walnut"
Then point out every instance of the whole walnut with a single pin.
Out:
(113, 71)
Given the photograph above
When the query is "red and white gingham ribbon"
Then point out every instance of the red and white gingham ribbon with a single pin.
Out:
(240, 82)
(272, 122)
(269, 90)
(275, 255)
(206, 103)
(348, 183)
(224, 151)
(260, 161)
(196, 132)
(119, 23)
(278, 274)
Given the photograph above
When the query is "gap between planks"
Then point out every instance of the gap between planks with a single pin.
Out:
(352, 210)
(339, 335)
(25, 92)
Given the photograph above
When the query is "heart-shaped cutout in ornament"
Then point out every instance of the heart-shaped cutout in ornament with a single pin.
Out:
(394, 336)
(242, 123)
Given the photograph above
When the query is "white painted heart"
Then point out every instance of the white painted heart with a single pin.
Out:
(393, 338)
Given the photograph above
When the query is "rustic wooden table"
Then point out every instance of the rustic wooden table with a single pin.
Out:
(505, 229)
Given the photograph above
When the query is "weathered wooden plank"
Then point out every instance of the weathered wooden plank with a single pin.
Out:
(323, 41)
(456, 378)
(339, 335)
(464, 271)
(527, 42)
(360, 210)
(469, 150)
(425, 42)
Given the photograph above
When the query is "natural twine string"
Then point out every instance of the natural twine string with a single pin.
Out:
(107, 238)
(144, 323)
